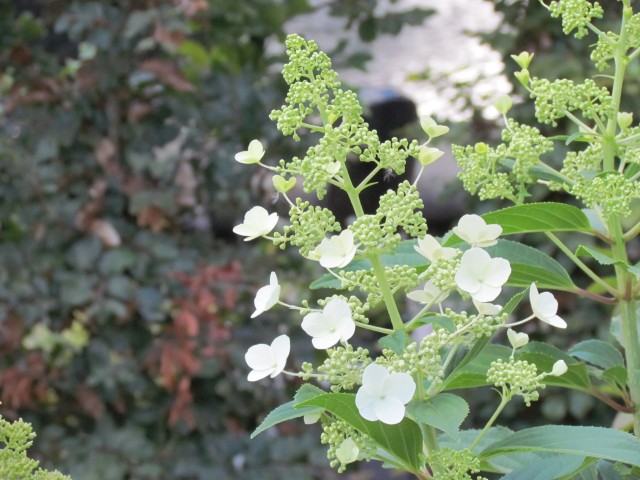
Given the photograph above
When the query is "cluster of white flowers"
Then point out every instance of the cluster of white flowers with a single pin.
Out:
(384, 394)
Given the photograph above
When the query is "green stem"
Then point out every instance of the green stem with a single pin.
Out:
(503, 403)
(590, 273)
(373, 328)
(632, 233)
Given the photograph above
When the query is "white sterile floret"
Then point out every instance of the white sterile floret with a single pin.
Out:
(336, 251)
(267, 296)
(333, 324)
(559, 368)
(481, 276)
(268, 360)
(348, 451)
(428, 294)
(253, 154)
(431, 249)
(488, 309)
(257, 222)
(545, 307)
(383, 395)
(517, 339)
(475, 231)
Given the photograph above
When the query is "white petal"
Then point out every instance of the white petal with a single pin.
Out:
(389, 410)
(427, 246)
(467, 282)
(315, 325)
(373, 378)
(366, 405)
(419, 296)
(266, 297)
(346, 329)
(338, 308)
(555, 321)
(517, 339)
(255, 375)
(547, 305)
(260, 357)
(500, 269)
(487, 308)
(326, 341)
(468, 227)
(400, 386)
(559, 368)
(348, 451)
(486, 293)
(256, 149)
(281, 347)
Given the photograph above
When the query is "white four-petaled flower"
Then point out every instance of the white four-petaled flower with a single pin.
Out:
(383, 395)
(336, 251)
(430, 248)
(267, 296)
(333, 324)
(253, 154)
(475, 231)
(257, 222)
(268, 360)
(481, 276)
(517, 339)
(545, 307)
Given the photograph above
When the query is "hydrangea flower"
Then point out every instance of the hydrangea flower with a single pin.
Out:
(517, 339)
(253, 154)
(383, 395)
(545, 307)
(257, 222)
(475, 231)
(431, 249)
(267, 296)
(430, 293)
(348, 451)
(336, 251)
(488, 309)
(268, 360)
(481, 276)
(334, 324)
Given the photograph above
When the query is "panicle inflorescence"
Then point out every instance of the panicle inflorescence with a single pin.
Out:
(399, 277)
(309, 226)
(476, 326)
(525, 145)
(576, 15)
(455, 464)
(519, 377)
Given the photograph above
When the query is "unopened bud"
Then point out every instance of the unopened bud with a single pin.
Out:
(559, 368)
(625, 120)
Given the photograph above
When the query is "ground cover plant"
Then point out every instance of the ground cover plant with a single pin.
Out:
(399, 403)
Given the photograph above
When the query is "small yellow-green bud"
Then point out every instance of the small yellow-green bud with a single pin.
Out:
(481, 147)
(429, 155)
(625, 119)
(523, 76)
(523, 59)
(503, 104)
(282, 185)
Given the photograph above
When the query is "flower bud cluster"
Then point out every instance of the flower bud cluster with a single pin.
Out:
(309, 226)
(518, 377)
(477, 326)
(442, 272)
(612, 192)
(335, 432)
(580, 166)
(576, 15)
(605, 50)
(525, 145)
(399, 277)
(455, 464)
(344, 366)
(554, 99)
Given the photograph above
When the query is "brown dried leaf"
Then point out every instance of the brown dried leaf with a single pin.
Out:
(168, 73)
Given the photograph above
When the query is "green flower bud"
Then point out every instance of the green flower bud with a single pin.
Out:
(282, 185)
(503, 104)
(523, 59)
(481, 147)
(429, 155)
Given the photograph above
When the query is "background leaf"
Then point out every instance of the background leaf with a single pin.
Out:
(444, 411)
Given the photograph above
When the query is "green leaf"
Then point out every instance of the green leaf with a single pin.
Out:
(290, 410)
(539, 217)
(530, 265)
(598, 353)
(433, 319)
(403, 440)
(617, 375)
(511, 305)
(473, 373)
(546, 467)
(544, 356)
(601, 258)
(395, 342)
(596, 442)
(445, 412)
